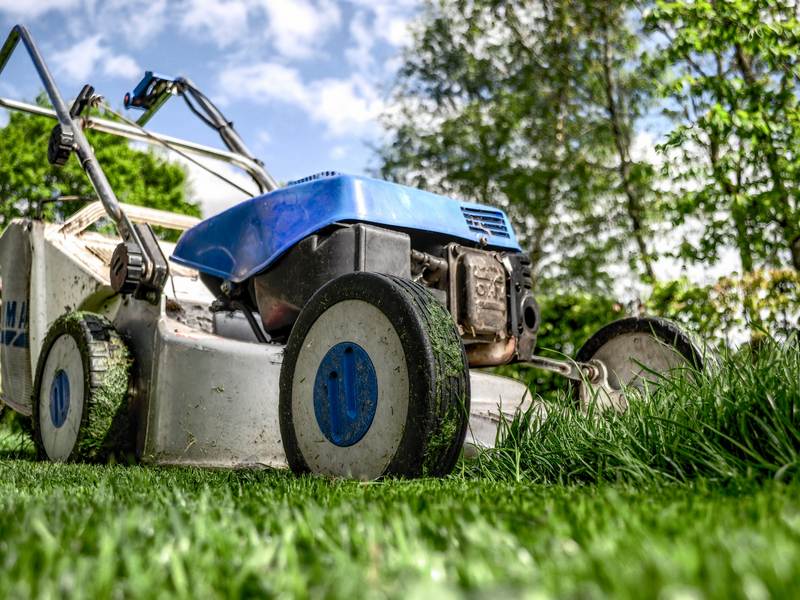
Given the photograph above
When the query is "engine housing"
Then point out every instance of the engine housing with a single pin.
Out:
(487, 291)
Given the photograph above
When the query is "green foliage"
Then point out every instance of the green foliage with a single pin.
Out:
(531, 106)
(30, 186)
(764, 301)
(733, 69)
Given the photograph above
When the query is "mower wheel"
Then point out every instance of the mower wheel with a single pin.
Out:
(634, 352)
(80, 390)
(374, 382)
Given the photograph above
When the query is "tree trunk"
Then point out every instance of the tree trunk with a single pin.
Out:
(633, 204)
(794, 247)
(743, 241)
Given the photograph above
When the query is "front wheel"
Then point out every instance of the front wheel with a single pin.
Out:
(374, 382)
(632, 353)
(80, 391)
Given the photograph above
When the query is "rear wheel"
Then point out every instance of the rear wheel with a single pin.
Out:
(633, 353)
(374, 382)
(80, 390)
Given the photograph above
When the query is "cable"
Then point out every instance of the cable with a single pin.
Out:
(177, 151)
(257, 331)
(198, 114)
(196, 93)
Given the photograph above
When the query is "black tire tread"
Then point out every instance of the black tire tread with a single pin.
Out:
(454, 392)
(102, 347)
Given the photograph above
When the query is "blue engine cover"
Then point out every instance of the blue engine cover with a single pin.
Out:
(247, 238)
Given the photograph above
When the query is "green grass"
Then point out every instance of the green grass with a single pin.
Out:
(738, 421)
(694, 493)
(94, 531)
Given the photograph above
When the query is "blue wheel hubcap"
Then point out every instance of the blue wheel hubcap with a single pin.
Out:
(59, 399)
(345, 394)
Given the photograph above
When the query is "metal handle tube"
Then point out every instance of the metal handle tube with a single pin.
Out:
(133, 133)
(229, 136)
(84, 151)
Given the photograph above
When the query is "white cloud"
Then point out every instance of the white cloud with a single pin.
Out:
(338, 152)
(80, 61)
(225, 22)
(299, 27)
(392, 64)
(348, 106)
(137, 21)
(360, 53)
(121, 65)
(392, 18)
(34, 8)
(265, 81)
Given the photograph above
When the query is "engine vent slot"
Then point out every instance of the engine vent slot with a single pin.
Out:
(322, 175)
(486, 221)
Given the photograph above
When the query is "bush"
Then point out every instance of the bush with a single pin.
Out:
(763, 301)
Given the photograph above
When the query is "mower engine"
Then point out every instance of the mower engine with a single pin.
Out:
(465, 254)
(489, 295)
(488, 292)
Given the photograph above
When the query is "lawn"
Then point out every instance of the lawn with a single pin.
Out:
(584, 506)
(99, 531)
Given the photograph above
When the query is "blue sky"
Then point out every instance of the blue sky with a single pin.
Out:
(303, 80)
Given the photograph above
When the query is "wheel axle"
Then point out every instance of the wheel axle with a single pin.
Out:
(591, 371)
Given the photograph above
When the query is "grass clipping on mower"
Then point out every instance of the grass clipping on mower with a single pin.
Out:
(449, 363)
(108, 424)
(106, 428)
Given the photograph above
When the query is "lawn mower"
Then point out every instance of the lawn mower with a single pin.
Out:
(338, 324)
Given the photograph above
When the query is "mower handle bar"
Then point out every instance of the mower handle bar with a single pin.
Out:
(136, 134)
(154, 90)
(82, 148)
(229, 135)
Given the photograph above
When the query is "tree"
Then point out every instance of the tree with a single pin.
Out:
(531, 106)
(29, 185)
(622, 89)
(735, 67)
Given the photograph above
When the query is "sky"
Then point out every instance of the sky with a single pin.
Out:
(304, 81)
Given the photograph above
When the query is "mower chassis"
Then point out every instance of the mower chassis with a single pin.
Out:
(198, 398)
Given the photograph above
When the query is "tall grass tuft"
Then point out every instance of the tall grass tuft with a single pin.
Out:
(739, 420)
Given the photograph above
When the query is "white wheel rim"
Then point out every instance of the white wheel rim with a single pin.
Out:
(60, 409)
(634, 359)
(363, 324)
